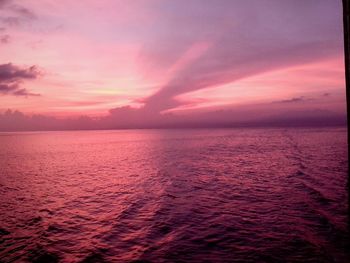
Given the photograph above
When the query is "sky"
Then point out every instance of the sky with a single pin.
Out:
(149, 63)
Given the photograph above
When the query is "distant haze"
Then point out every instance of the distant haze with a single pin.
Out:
(101, 64)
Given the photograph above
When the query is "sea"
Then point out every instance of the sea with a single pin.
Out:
(175, 195)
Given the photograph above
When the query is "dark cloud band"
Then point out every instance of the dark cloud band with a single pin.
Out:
(12, 76)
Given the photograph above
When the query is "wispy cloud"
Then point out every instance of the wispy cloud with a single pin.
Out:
(14, 14)
(4, 39)
(240, 47)
(293, 100)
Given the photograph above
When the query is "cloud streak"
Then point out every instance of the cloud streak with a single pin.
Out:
(247, 44)
(294, 100)
(15, 14)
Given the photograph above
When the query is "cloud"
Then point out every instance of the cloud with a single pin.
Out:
(13, 14)
(4, 39)
(11, 78)
(3, 3)
(24, 12)
(10, 72)
(245, 38)
(259, 117)
(293, 100)
(8, 88)
(15, 90)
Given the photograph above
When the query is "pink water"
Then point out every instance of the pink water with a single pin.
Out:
(230, 195)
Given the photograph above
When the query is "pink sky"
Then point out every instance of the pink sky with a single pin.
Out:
(96, 57)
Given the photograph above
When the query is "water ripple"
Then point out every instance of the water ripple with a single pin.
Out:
(232, 195)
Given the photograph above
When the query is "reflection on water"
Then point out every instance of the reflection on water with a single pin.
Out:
(231, 195)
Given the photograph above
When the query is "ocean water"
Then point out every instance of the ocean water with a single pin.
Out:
(215, 195)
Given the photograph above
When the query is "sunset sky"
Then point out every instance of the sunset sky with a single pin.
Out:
(147, 58)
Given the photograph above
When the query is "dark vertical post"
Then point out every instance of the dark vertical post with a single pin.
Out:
(347, 71)
(346, 46)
